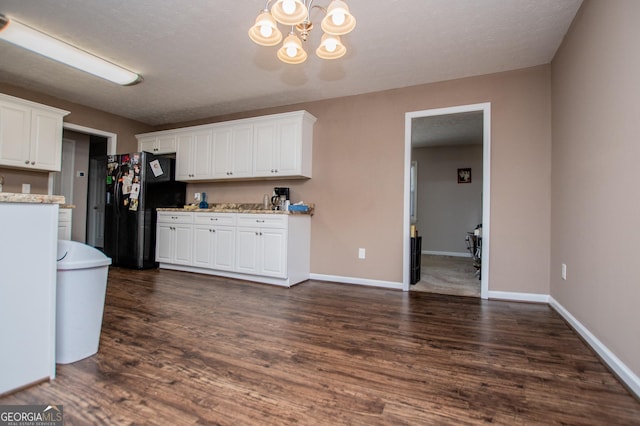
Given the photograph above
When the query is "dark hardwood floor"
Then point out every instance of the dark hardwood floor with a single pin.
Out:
(179, 348)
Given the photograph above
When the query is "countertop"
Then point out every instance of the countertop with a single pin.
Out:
(9, 197)
(237, 208)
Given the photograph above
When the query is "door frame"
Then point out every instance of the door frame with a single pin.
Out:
(112, 142)
(485, 108)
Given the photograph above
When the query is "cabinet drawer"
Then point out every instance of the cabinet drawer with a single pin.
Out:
(263, 220)
(228, 219)
(175, 217)
(64, 215)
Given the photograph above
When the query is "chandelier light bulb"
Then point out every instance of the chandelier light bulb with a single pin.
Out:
(266, 31)
(339, 20)
(291, 51)
(331, 44)
(289, 12)
(331, 47)
(338, 17)
(288, 6)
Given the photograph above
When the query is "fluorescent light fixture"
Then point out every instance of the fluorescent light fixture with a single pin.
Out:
(45, 45)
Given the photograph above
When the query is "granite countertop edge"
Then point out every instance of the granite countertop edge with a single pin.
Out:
(9, 197)
(236, 208)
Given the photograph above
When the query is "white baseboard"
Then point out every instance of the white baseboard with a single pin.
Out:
(357, 281)
(519, 297)
(446, 253)
(623, 372)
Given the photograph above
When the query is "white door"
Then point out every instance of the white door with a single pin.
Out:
(164, 242)
(46, 140)
(242, 148)
(288, 149)
(203, 238)
(221, 153)
(183, 157)
(247, 250)
(183, 244)
(14, 134)
(202, 154)
(273, 252)
(224, 248)
(264, 161)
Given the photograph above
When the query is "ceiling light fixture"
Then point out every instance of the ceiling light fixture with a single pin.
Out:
(50, 47)
(296, 13)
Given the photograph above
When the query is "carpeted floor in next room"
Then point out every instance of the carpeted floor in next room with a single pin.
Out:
(448, 275)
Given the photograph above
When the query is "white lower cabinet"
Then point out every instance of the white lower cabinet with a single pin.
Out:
(174, 238)
(269, 248)
(262, 245)
(64, 224)
(214, 241)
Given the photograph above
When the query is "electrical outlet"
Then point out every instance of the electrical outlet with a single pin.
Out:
(362, 253)
(26, 188)
(196, 196)
(564, 271)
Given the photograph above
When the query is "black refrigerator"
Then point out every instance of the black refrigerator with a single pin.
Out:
(137, 184)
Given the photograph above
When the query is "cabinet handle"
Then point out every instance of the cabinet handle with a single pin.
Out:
(213, 218)
(26, 162)
(260, 220)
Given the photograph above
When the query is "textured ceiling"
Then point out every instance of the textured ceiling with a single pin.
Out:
(464, 128)
(197, 60)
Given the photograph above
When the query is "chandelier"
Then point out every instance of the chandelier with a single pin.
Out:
(296, 13)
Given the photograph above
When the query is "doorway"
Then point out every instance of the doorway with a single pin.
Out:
(476, 112)
(87, 223)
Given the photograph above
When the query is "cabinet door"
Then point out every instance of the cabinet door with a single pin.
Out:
(183, 244)
(273, 252)
(46, 141)
(224, 248)
(289, 147)
(203, 238)
(164, 243)
(147, 145)
(165, 145)
(201, 154)
(221, 153)
(183, 157)
(241, 151)
(247, 250)
(14, 133)
(264, 149)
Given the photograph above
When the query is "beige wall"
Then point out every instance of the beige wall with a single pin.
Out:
(596, 204)
(358, 171)
(79, 114)
(447, 210)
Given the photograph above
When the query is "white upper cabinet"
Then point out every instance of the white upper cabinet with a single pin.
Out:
(267, 147)
(159, 144)
(30, 135)
(231, 153)
(193, 155)
(279, 145)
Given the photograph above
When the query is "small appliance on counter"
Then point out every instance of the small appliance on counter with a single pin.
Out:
(280, 199)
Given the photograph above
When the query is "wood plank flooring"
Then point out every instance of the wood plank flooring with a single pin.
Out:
(180, 349)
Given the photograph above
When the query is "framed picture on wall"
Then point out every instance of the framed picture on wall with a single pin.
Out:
(464, 175)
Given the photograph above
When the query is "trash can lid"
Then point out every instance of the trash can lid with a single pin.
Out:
(75, 255)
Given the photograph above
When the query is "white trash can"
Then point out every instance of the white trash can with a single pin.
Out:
(81, 288)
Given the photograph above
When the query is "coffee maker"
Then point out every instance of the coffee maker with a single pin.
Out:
(280, 198)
